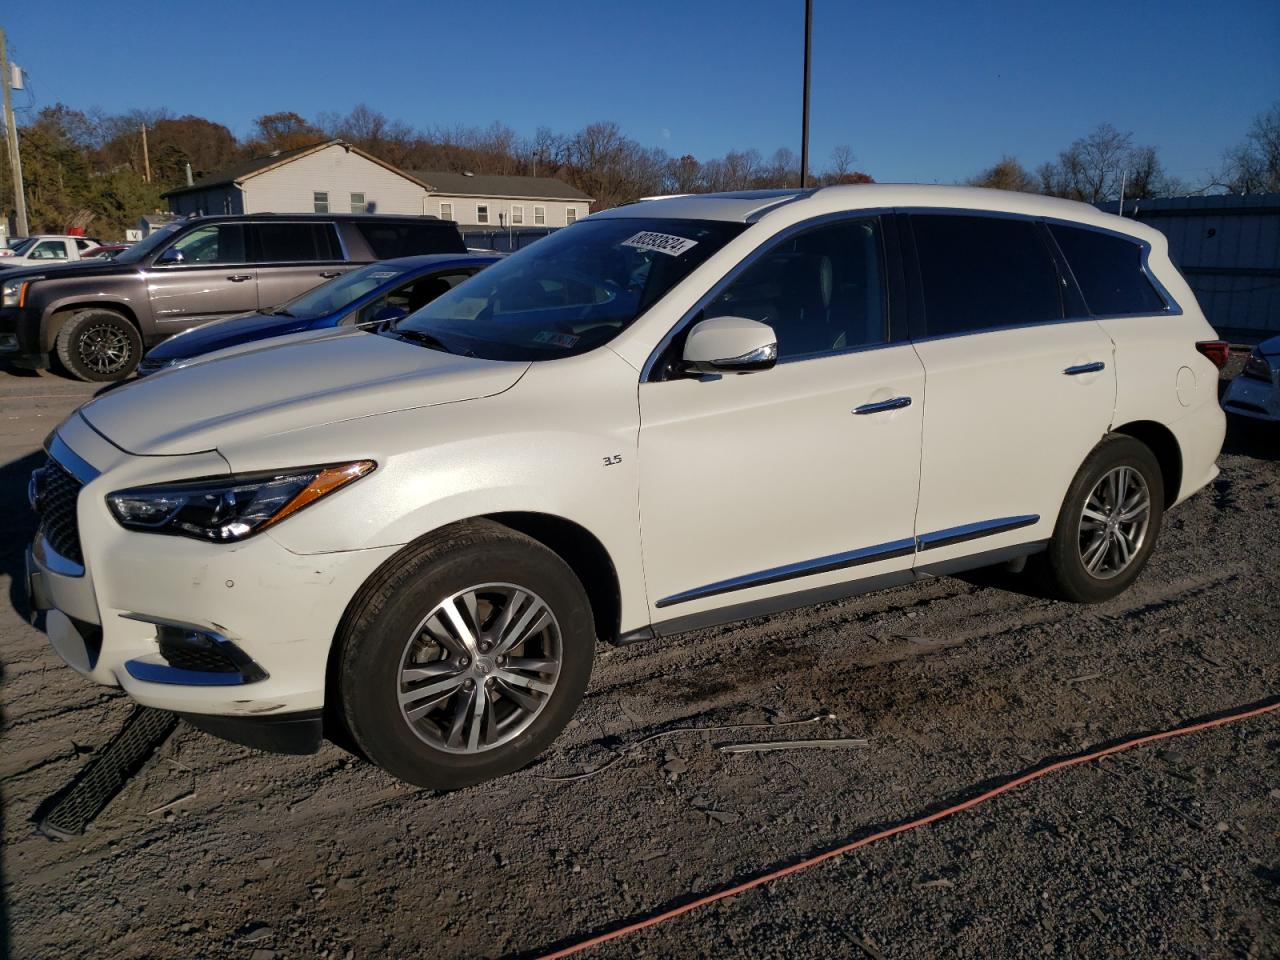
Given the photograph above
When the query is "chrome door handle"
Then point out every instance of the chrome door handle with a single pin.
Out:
(1080, 368)
(897, 403)
(240, 277)
(329, 274)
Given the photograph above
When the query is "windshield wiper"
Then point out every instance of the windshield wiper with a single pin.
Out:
(418, 336)
(281, 312)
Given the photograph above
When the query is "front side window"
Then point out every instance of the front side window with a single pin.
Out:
(49, 250)
(357, 203)
(320, 201)
(517, 214)
(409, 297)
(539, 216)
(482, 213)
(294, 242)
(218, 243)
(984, 273)
(822, 291)
(1108, 269)
(570, 215)
(567, 293)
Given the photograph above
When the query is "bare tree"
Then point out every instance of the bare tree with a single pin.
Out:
(1254, 165)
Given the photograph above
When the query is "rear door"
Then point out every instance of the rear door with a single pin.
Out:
(1020, 382)
(205, 274)
(292, 258)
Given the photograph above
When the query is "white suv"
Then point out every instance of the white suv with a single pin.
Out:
(672, 414)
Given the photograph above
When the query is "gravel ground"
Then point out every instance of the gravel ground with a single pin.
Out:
(1168, 850)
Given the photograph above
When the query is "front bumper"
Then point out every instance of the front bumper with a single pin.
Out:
(20, 338)
(108, 617)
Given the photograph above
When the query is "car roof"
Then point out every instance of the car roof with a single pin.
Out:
(324, 217)
(753, 205)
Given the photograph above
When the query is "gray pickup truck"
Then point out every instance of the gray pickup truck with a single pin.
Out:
(97, 320)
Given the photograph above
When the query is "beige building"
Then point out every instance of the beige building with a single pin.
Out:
(336, 177)
(498, 202)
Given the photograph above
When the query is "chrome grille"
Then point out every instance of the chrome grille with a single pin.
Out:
(58, 523)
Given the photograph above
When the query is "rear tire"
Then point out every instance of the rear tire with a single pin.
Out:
(1108, 524)
(466, 657)
(99, 346)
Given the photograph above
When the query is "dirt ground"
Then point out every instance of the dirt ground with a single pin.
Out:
(1165, 851)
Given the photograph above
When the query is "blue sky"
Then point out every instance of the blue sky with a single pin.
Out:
(921, 91)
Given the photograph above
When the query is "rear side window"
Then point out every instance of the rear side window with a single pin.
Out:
(391, 240)
(1109, 271)
(982, 273)
(295, 242)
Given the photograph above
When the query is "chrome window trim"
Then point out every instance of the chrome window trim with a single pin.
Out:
(646, 372)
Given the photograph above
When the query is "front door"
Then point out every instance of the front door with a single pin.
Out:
(204, 275)
(794, 480)
(1021, 387)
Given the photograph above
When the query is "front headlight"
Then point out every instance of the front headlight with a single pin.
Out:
(13, 293)
(225, 509)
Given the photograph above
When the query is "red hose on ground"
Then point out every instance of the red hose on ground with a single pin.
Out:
(781, 872)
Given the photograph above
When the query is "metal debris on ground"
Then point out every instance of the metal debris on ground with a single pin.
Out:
(629, 749)
(107, 773)
(844, 743)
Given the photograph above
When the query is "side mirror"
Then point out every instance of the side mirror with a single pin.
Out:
(170, 256)
(730, 345)
(388, 315)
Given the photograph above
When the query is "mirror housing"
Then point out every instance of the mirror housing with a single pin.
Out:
(730, 345)
(170, 256)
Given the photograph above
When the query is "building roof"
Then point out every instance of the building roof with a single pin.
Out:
(239, 172)
(489, 185)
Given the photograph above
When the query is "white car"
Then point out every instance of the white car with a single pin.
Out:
(669, 415)
(1255, 393)
(47, 250)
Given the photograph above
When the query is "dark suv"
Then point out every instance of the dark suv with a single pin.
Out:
(98, 319)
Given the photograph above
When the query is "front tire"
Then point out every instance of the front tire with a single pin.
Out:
(1108, 524)
(99, 346)
(466, 657)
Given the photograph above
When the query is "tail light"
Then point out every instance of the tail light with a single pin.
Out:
(1218, 351)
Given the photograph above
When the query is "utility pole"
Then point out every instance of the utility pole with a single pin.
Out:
(146, 157)
(804, 126)
(11, 135)
(1124, 176)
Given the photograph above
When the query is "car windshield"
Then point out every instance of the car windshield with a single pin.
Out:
(22, 247)
(144, 247)
(341, 292)
(568, 293)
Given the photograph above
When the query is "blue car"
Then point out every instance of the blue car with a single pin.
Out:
(368, 296)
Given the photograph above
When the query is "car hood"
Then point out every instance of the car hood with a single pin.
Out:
(230, 332)
(1270, 348)
(277, 386)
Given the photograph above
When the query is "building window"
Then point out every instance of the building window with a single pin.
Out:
(517, 215)
(320, 201)
(482, 213)
(570, 214)
(540, 216)
(357, 203)
(446, 211)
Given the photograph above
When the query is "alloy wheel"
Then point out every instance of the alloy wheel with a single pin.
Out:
(104, 348)
(479, 668)
(1114, 521)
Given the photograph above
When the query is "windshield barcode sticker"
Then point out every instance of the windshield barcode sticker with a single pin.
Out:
(661, 242)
